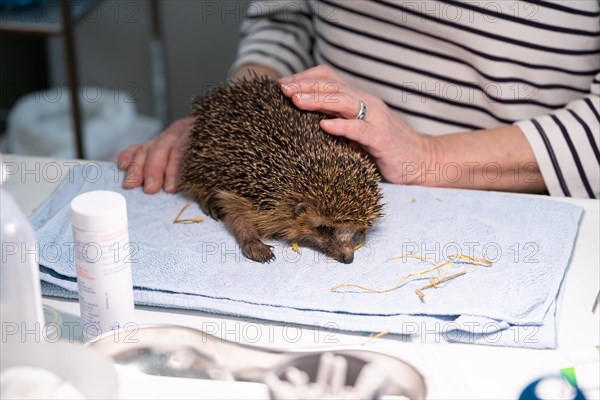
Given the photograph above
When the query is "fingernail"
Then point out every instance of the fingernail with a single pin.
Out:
(128, 179)
(325, 123)
(170, 185)
(148, 183)
(285, 79)
(301, 96)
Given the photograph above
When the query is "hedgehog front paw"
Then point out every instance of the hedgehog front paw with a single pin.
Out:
(258, 251)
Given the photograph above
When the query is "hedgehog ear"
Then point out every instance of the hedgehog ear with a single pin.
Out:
(299, 209)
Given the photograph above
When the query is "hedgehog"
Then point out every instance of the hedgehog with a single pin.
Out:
(268, 171)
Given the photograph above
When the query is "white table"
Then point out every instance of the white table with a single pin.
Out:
(451, 370)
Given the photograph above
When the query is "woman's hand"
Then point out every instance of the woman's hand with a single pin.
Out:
(156, 164)
(388, 141)
(497, 158)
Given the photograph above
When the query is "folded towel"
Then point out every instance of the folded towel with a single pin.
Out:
(512, 302)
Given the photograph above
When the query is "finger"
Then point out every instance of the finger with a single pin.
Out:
(126, 156)
(156, 163)
(320, 72)
(342, 104)
(352, 129)
(313, 87)
(176, 156)
(134, 176)
(173, 169)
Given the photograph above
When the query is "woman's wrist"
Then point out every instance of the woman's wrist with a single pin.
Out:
(490, 159)
(421, 166)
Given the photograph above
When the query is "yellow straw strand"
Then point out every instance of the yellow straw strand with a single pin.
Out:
(296, 248)
(358, 246)
(434, 283)
(380, 334)
(472, 260)
(195, 219)
(409, 255)
(396, 286)
(180, 212)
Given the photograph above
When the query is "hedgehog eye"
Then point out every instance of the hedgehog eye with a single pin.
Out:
(360, 236)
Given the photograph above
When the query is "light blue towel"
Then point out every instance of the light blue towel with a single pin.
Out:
(200, 266)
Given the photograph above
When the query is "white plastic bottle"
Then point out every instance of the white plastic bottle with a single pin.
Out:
(21, 312)
(103, 263)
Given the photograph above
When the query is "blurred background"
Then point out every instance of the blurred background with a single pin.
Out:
(136, 65)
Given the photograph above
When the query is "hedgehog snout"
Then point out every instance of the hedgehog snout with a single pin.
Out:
(347, 258)
(340, 245)
(343, 254)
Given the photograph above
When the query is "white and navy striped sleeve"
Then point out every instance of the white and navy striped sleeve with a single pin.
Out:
(565, 144)
(451, 66)
(278, 35)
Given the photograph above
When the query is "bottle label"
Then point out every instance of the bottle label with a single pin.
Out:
(104, 280)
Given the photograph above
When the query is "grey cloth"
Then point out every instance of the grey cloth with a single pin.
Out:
(199, 266)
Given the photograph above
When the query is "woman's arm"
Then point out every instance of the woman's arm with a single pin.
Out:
(492, 159)
(500, 158)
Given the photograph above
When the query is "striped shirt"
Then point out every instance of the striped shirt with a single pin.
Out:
(450, 66)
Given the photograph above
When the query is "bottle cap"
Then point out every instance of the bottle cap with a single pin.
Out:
(99, 210)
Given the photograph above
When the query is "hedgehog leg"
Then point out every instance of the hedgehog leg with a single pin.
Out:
(239, 215)
(206, 201)
(210, 207)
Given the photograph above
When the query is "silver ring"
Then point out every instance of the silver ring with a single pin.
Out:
(363, 111)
